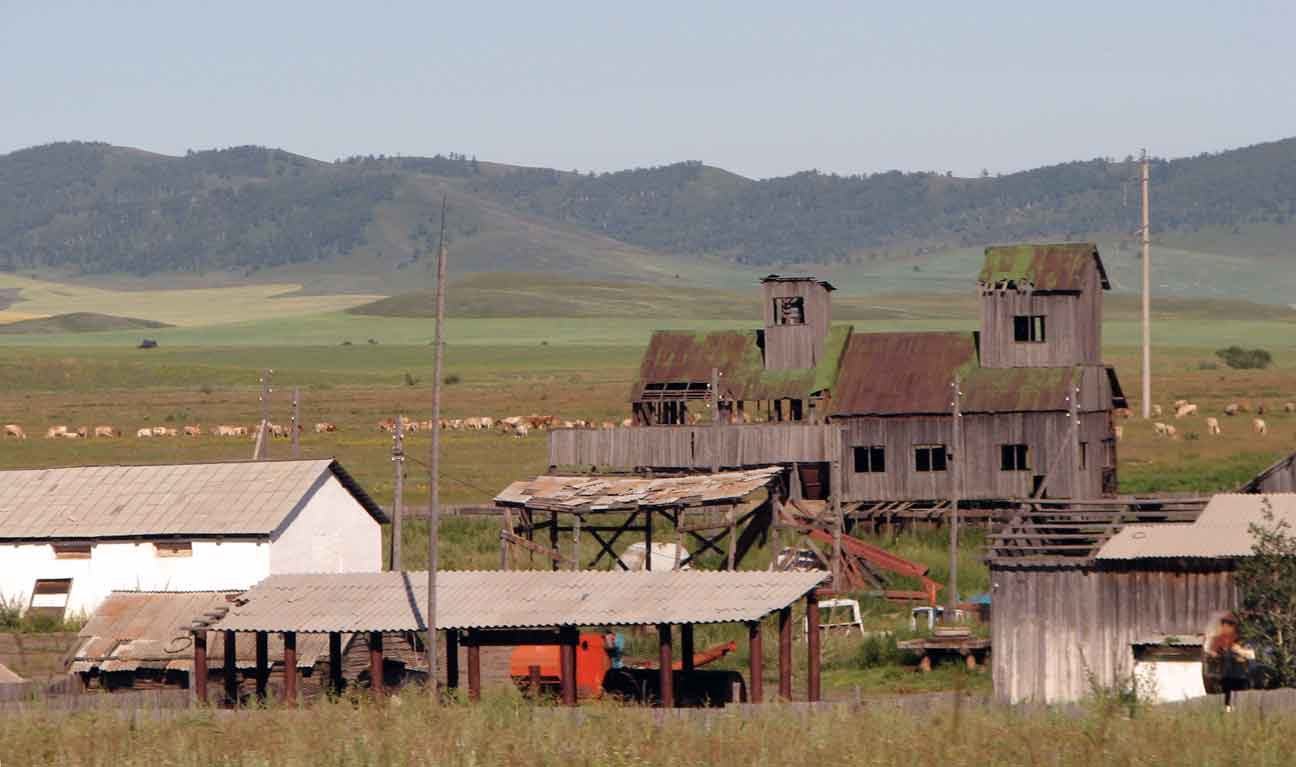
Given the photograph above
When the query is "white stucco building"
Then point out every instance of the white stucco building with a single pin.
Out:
(69, 537)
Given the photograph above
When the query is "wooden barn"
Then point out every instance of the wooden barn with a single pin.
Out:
(1280, 477)
(1091, 603)
(1022, 408)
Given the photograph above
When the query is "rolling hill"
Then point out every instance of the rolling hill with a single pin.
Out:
(107, 214)
(79, 322)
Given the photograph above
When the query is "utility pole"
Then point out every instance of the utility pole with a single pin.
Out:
(957, 465)
(262, 448)
(296, 423)
(434, 460)
(1145, 236)
(398, 507)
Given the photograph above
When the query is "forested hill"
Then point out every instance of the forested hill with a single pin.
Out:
(97, 209)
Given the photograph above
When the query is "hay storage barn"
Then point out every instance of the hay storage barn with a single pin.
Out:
(69, 537)
(1033, 399)
(1133, 609)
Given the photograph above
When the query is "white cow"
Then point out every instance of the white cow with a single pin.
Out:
(1259, 426)
(1212, 425)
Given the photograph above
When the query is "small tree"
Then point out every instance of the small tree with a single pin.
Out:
(1245, 359)
(1267, 592)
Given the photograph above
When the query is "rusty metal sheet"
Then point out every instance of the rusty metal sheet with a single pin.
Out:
(617, 492)
(901, 373)
(225, 498)
(393, 601)
(1049, 266)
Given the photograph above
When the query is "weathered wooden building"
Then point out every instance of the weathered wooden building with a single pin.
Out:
(1021, 408)
(1279, 477)
(1084, 602)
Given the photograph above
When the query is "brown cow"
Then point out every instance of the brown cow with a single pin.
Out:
(107, 431)
(15, 431)
(55, 431)
(193, 431)
(325, 426)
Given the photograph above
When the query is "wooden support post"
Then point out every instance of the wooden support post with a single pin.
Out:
(231, 669)
(812, 647)
(376, 662)
(836, 485)
(576, 555)
(733, 540)
(290, 667)
(262, 665)
(553, 536)
(336, 684)
(568, 639)
(648, 549)
(452, 660)
(686, 646)
(474, 669)
(756, 688)
(507, 527)
(533, 682)
(295, 426)
(398, 497)
(666, 671)
(785, 653)
(200, 666)
(957, 480)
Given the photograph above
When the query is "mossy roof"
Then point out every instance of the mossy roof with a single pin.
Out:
(687, 356)
(1050, 266)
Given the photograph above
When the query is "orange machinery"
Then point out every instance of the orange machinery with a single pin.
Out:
(592, 663)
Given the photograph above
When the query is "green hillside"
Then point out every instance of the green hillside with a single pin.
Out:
(105, 214)
(78, 322)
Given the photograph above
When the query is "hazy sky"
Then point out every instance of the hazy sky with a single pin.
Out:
(760, 88)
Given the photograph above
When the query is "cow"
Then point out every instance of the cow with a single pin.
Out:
(473, 423)
(388, 425)
(509, 424)
(325, 426)
(1232, 409)
(456, 424)
(626, 423)
(1156, 411)
(55, 431)
(193, 431)
(487, 423)
(608, 425)
(521, 429)
(1259, 426)
(1180, 403)
(1161, 429)
(1260, 408)
(1290, 407)
(411, 427)
(239, 431)
(159, 431)
(1119, 431)
(170, 432)
(144, 433)
(15, 431)
(1212, 425)
(225, 431)
(72, 434)
(107, 431)
(1186, 409)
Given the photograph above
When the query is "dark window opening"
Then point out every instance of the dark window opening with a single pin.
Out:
(789, 310)
(1084, 455)
(797, 413)
(1109, 454)
(1028, 328)
(929, 458)
(1014, 458)
(870, 459)
(78, 550)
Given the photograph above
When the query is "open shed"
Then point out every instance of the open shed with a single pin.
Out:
(496, 608)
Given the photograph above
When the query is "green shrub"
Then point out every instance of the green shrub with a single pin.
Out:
(877, 650)
(1245, 359)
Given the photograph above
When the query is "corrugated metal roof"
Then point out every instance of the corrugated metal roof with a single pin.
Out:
(797, 278)
(393, 601)
(604, 493)
(1047, 266)
(1222, 531)
(7, 676)
(225, 498)
(146, 629)
(677, 356)
(1256, 482)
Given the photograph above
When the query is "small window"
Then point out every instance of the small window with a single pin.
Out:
(174, 548)
(50, 597)
(1109, 453)
(789, 310)
(1084, 455)
(1028, 328)
(929, 458)
(1014, 458)
(79, 550)
(870, 459)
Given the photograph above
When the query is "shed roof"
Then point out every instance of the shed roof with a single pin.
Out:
(920, 370)
(1048, 266)
(394, 601)
(687, 356)
(7, 676)
(235, 498)
(147, 629)
(1223, 531)
(797, 278)
(604, 493)
(1255, 484)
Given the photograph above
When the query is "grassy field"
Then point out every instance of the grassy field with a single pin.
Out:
(505, 730)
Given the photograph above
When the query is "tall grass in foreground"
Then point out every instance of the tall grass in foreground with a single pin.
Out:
(506, 731)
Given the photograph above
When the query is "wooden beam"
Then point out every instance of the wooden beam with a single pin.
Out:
(545, 551)
(376, 681)
(812, 647)
(474, 671)
(200, 667)
(785, 653)
(756, 688)
(336, 683)
(569, 638)
(686, 646)
(514, 637)
(666, 672)
(290, 668)
(452, 659)
(231, 669)
(262, 664)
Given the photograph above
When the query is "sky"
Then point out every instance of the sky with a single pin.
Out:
(760, 88)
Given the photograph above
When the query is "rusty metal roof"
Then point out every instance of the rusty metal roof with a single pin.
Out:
(606, 493)
(200, 499)
(1050, 266)
(797, 278)
(678, 356)
(393, 601)
(146, 629)
(1222, 531)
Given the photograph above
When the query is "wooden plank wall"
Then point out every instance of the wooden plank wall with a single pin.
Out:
(686, 447)
(793, 347)
(1061, 330)
(1281, 480)
(1056, 629)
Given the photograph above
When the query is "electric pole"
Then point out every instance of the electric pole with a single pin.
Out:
(262, 448)
(398, 507)
(956, 463)
(1145, 236)
(296, 424)
(434, 462)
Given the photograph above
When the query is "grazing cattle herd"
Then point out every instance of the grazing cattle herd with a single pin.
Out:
(1184, 409)
(516, 425)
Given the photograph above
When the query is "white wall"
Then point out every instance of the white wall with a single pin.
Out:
(332, 533)
(132, 566)
(1169, 681)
